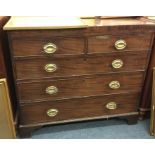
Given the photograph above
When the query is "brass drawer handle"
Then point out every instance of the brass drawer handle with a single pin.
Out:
(111, 105)
(51, 90)
(120, 44)
(118, 63)
(50, 67)
(52, 112)
(114, 85)
(50, 48)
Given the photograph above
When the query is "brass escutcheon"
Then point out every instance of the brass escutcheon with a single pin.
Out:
(50, 67)
(111, 105)
(50, 48)
(118, 63)
(114, 85)
(52, 112)
(51, 90)
(120, 44)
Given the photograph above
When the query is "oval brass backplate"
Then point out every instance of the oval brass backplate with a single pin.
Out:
(51, 90)
(118, 63)
(111, 105)
(50, 67)
(114, 85)
(50, 48)
(120, 44)
(52, 112)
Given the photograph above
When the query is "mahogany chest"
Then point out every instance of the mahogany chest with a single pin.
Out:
(83, 73)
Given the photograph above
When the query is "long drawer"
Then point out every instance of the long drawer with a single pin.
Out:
(62, 67)
(84, 108)
(81, 86)
(107, 43)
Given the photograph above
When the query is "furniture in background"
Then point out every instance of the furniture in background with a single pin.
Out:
(152, 121)
(2, 61)
(7, 109)
(149, 90)
(7, 127)
(145, 104)
(68, 73)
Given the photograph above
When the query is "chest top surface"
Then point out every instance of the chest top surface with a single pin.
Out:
(53, 22)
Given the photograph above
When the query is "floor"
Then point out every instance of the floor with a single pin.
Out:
(101, 129)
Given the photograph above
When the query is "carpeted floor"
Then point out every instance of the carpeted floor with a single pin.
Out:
(102, 129)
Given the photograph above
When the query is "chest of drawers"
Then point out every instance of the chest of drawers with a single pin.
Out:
(85, 73)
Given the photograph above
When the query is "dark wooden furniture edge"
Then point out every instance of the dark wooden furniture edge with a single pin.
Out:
(147, 88)
(6, 68)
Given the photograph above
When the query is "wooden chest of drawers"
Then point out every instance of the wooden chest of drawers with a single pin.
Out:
(67, 75)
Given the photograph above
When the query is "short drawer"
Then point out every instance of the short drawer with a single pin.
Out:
(47, 46)
(64, 67)
(79, 86)
(79, 109)
(107, 43)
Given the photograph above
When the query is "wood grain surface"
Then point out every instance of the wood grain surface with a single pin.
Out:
(79, 108)
(91, 64)
(80, 86)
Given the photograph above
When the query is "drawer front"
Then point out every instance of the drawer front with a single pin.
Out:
(111, 62)
(104, 44)
(79, 86)
(47, 46)
(64, 110)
